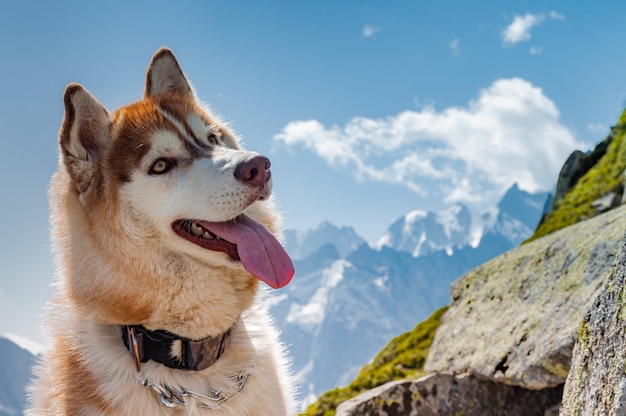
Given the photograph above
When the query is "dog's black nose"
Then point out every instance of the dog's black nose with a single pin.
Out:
(254, 172)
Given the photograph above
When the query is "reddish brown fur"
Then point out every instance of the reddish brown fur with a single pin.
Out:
(75, 382)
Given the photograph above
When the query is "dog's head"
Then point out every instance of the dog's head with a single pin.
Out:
(161, 193)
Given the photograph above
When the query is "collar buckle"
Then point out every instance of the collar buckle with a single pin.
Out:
(133, 346)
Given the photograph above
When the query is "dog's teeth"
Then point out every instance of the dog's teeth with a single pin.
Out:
(196, 229)
(207, 235)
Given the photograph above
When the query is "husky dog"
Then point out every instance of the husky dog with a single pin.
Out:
(162, 227)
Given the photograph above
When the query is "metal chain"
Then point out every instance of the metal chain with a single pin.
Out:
(174, 397)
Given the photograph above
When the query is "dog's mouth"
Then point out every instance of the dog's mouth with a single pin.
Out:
(245, 240)
(194, 231)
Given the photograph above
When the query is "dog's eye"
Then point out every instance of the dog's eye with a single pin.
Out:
(212, 139)
(161, 166)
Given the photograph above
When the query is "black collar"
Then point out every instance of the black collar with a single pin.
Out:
(146, 345)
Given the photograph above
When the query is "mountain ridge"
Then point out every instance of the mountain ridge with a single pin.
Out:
(368, 294)
(455, 227)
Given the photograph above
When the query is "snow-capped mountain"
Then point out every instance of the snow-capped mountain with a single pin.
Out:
(344, 305)
(421, 233)
(16, 362)
(514, 220)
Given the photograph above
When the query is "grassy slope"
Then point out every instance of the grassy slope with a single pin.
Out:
(402, 358)
(602, 178)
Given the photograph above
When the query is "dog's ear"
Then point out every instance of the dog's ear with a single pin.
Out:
(165, 77)
(84, 134)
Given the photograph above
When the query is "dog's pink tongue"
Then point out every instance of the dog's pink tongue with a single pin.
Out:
(259, 251)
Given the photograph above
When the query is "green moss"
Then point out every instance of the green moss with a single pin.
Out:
(404, 357)
(622, 304)
(559, 370)
(602, 178)
(584, 336)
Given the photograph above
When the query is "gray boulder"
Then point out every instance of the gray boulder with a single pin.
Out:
(576, 165)
(596, 384)
(606, 202)
(445, 394)
(572, 170)
(515, 319)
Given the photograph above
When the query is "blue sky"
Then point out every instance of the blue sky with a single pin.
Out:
(367, 109)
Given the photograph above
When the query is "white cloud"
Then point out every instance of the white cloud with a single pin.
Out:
(556, 16)
(510, 133)
(536, 50)
(519, 30)
(454, 47)
(370, 31)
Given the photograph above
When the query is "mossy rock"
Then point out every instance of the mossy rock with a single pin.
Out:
(514, 319)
